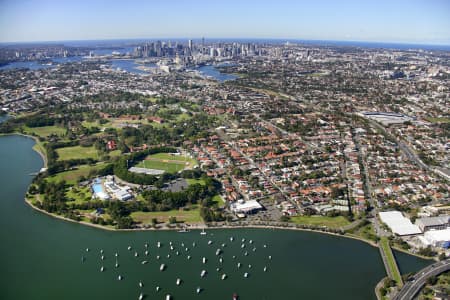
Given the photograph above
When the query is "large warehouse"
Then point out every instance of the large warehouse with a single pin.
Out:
(437, 238)
(398, 223)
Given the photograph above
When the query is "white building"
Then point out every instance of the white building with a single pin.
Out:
(398, 223)
(437, 238)
(246, 207)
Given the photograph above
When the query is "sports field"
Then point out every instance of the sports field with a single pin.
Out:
(166, 162)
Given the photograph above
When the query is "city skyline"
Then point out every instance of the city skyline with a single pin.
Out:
(421, 22)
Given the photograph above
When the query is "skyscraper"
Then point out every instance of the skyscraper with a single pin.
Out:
(190, 45)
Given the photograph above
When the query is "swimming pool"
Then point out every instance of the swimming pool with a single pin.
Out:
(99, 191)
(97, 188)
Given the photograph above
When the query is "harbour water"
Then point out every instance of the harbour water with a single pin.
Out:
(41, 257)
(213, 72)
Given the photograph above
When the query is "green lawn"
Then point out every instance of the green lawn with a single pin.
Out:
(167, 162)
(171, 167)
(192, 181)
(45, 131)
(71, 176)
(331, 222)
(78, 195)
(219, 201)
(188, 216)
(76, 152)
(384, 242)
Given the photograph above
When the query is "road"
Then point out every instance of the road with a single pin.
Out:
(411, 288)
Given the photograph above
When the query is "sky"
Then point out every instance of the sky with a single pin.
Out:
(399, 21)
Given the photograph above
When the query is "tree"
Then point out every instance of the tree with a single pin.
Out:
(172, 220)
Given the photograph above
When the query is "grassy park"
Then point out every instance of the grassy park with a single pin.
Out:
(166, 162)
(71, 176)
(76, 152)
(331, 222)
(45, 131)
(188, 216)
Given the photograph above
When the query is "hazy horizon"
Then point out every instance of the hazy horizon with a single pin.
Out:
(402, 22)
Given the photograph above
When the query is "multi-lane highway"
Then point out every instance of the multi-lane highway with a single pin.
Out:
(413, 286)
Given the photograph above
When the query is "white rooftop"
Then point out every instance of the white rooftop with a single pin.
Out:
(438, 235)
(398, 223)
(246, 206)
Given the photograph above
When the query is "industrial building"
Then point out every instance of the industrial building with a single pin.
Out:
(398, 223)
(440, 222)
(437, 238)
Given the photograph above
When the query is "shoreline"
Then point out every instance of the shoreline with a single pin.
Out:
(196, 227)
(36, 141)
(206, 227)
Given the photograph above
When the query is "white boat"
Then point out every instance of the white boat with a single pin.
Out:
(87, 249)
(249, 266)
(203, 232)
(254, 249)
(168, 297)
(224, 276)
(116, 265)
(251, 241)
(182, 244)
(141, 296)
(203, 273)
(119, 277)
(188, 257)
(103, 257)
(239, 265)
(168, 255)
(144, 262)
(102, 269)
(218, 251)
(146, 252)
(101, 251)
(177, 253)
(265, 269)
(157, 256)
(270, 256)
(116, 254)
(204, 260)
(234, 256)
(187, 249)
(265, 246)
(162, 267)
(158, 288)
(129, 248)
(246, 253)
(224, 245)
(231, 239)
(146, 245)
(178, 281)
(171, 247)
(136, 254)
(209, 242)
(218, 269)
(245, 274)
(141, 284)
(193, 244)
(243, 240)
(198, 290)
(158, 244)
(243, 246)
(221, 260)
